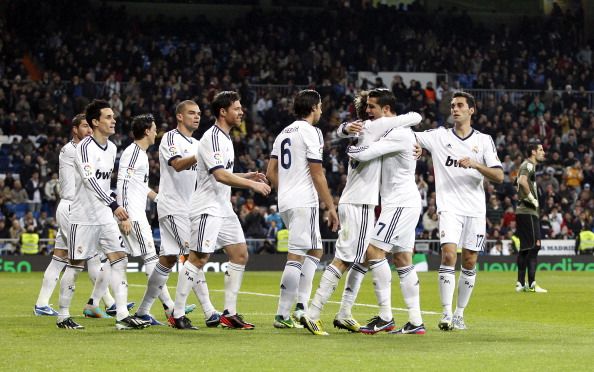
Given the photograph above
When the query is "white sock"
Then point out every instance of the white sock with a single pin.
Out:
(308, 270)
(409, 285)
(154, 287)
(446, 277)
(93, 267)
(164, 296)
(328, 283)
(382, 284)
(465, 287)
(119, 285)
(50, 279)
(101, 284)
(67, 288)
(354, 279)
(233, 279)
(201, 290)
(288, 287)
(185, 281)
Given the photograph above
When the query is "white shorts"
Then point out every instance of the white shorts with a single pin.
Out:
(210, 233)
(139, 241)
(395, 229)
(175, 235)
(304, 229)
(63, 221)
(465, 232)
(85, 240)
(356, 226)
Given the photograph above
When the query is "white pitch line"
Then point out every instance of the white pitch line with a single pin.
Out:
(332, 302)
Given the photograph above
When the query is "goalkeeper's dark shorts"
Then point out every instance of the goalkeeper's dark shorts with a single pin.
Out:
(528, 230)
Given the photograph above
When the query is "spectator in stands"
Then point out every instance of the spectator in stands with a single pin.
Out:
(18, 193)
(494, 212)
(51, 192)
(33, 188)
(430, 222)
(548, 178)
(273, 215)
(573, 176)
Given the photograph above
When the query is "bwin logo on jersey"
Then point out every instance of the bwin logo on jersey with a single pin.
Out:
(103, 175)
(452, 162)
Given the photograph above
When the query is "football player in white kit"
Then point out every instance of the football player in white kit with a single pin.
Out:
(295, 170)
(356, 210)
(91, 218)
(395, 228)
(80, 130)
(132, 192)
(177, 160)
(462, 158)
(214, 223)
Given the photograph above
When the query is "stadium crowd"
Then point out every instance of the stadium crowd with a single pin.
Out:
(48, 75)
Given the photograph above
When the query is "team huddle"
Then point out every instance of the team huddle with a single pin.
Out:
(102, 228)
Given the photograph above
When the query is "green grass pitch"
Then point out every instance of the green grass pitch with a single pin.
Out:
(507, 331)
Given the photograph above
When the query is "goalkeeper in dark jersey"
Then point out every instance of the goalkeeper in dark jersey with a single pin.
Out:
(527, 220)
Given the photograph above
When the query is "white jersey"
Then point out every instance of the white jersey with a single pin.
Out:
(132, 188)
(93, 204)
(66, 175)
(459, 190)
(295, 147)
(395, 148)
(214, 152)
(175, 188)
(363, 178)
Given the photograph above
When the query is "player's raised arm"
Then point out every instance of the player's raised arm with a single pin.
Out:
(381, 125)
(388, 144)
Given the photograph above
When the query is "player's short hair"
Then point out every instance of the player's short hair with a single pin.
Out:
(304, 102)
(78, 119)
(469, 98)
(361, 105)
(182, 105)
(223, 100)
(532, 146)
(385, 97)
(140, 124)
(93, 110)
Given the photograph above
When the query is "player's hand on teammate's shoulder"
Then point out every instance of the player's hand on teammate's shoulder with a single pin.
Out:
(354, 127)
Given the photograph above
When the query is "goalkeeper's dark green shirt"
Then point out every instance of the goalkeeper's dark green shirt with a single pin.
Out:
(525, 207)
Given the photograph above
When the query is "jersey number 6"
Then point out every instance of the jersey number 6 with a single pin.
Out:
(286, 153)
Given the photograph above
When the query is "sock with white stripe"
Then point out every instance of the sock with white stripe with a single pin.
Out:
(409, 285)
(154, 287)
(328, 283)
(447, 284)
(233, 279)
(100, 289)
(201, 290)
(308, 270)
(67, 288)
(50, 279)
(185, 282)
(354, 279)
(164, 296)
(465, 287)
(382, 284)
(288, 288)
(119, 285)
